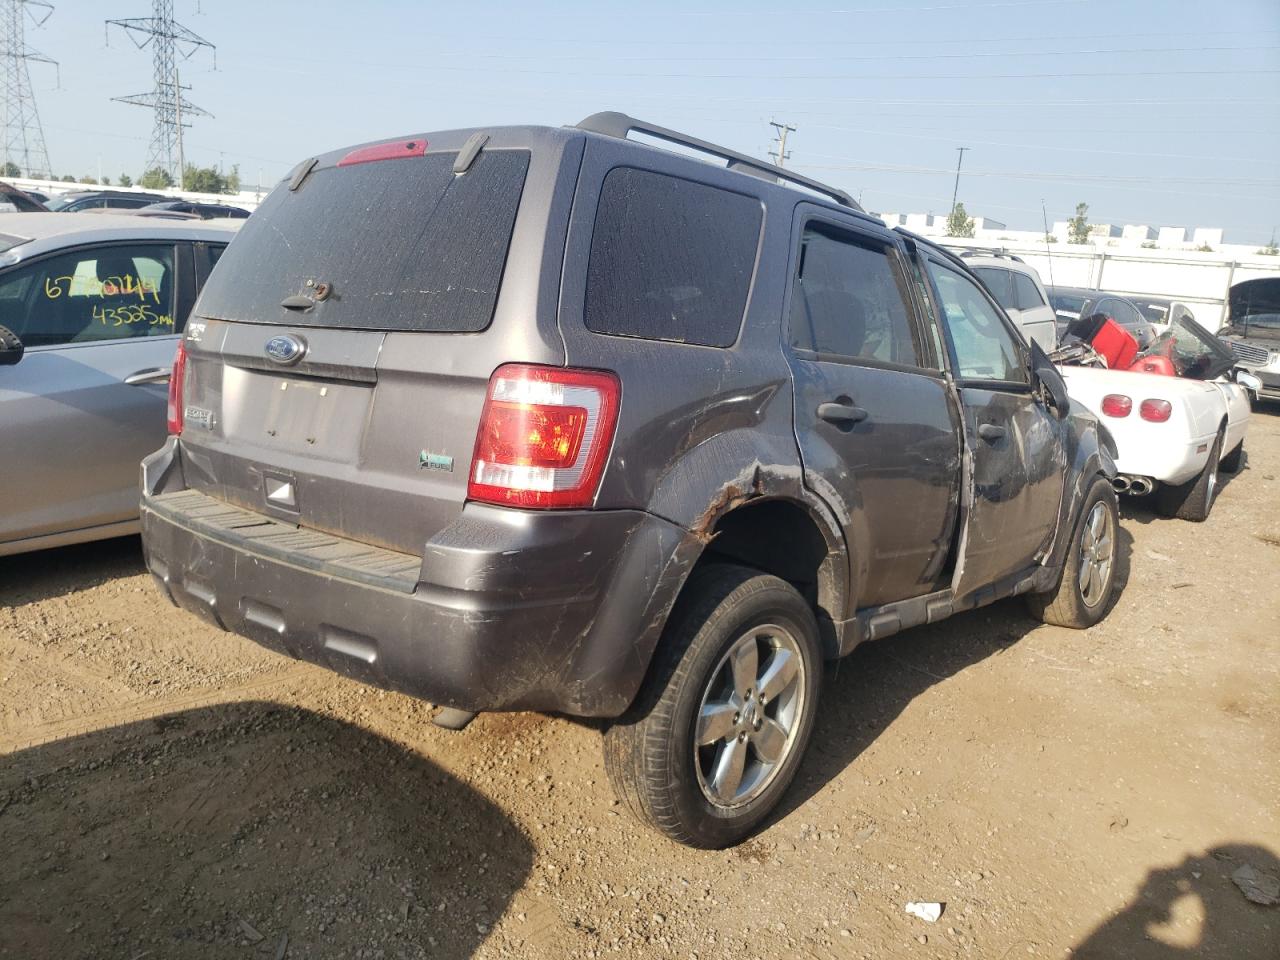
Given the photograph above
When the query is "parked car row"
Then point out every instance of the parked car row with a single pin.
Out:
(116, 201)
(537, 418)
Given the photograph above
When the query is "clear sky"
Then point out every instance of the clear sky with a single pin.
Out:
(1152, 111)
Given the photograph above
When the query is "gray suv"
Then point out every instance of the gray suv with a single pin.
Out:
(549, 419)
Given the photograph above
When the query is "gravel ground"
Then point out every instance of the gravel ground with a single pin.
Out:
(169, 791)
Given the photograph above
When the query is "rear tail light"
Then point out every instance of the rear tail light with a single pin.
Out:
(544, 436)
(1117, 405)
(1157, 411)
(175, 388)
(392, 150)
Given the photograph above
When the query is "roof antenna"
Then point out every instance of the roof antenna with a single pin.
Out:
(1047, 252)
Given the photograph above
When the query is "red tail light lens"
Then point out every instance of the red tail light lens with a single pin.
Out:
(544, 436)
(1157, 411)
(1117, 405)
(175, 388)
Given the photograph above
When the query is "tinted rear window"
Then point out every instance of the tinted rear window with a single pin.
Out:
(405, 245)
(1000, 283)
(670, 259)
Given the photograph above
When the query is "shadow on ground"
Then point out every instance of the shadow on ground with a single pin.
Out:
(1193, 910)
(223, 831)
(41, 574)
(866, 691)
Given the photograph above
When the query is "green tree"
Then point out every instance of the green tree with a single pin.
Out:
(1078, 226)
(10, 169)
(126, 180)
(959, 224)
(88, 179)
(68, 178)
(209, 180)
(157, 178)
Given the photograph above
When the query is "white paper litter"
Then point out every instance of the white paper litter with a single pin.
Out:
(929, 912)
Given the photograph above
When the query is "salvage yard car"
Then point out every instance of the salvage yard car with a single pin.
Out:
(1252, 332)
(92, 308)
(1174, 414)
(549, 419)
(1016, 286)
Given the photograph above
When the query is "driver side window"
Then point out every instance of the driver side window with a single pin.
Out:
(985, 348)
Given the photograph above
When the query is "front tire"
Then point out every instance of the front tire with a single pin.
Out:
(719, 726)
(1084, 593)
(1194, 499)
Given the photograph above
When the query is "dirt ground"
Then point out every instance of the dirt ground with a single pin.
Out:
(169, 791)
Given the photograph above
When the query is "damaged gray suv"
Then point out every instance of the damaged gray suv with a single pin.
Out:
(550, 419)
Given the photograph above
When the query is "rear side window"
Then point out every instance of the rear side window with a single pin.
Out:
(670, 259)
(1026, 292)
(1000, 283)
(115, 292)
(850, 300)
(404, 244)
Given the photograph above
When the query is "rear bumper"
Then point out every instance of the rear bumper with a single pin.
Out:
(507, 610)
(1167, 462)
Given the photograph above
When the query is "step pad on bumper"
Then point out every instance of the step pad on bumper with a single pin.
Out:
(310, 549)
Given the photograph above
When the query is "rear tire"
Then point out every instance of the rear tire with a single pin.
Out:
(1083, 595)
(1194, 499)
(698, 756)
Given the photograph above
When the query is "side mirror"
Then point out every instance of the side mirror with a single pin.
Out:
(1048, 382)
(11, 348)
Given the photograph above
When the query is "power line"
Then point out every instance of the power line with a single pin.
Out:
(168, 39)
(883, 57)
(24, 144)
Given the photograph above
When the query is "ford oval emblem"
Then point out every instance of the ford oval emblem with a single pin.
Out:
(285, 349)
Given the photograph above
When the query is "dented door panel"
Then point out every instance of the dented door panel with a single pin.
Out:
(1014, 494)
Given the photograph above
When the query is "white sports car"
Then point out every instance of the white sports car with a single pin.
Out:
(1175, 417)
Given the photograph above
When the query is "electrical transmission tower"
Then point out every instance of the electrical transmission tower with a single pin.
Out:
(23, 136)
(169, 41)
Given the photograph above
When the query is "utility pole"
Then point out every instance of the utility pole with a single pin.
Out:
(956, 192)
(781, 139)
(23, 135)
(168, 39)
(177, 107)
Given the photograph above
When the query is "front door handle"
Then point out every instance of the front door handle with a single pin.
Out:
(990, 431)
(150, 375)
(841, 413)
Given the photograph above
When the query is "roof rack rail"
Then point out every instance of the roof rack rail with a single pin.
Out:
(999, 252)
(614, 124)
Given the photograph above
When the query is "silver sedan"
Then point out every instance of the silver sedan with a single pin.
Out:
(91, 311)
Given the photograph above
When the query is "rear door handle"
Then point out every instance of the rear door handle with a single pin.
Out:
(841, 413)
(990, 431)
(150, 375)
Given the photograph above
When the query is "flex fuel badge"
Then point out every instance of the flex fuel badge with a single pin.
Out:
(435, 461)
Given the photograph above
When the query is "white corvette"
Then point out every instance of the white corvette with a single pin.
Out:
(1175, 417)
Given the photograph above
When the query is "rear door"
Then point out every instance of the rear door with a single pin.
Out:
(1016, 463)
(876, 423)
(339, 361)
(87, 401)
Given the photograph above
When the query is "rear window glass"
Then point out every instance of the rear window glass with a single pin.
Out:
(670, 259)
(404, 245)
(1000, 284)
(1028, 294)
